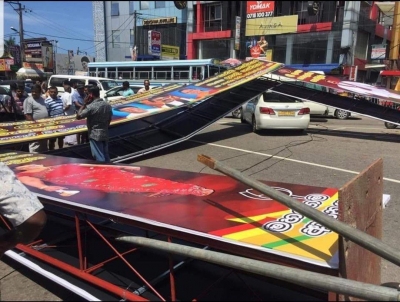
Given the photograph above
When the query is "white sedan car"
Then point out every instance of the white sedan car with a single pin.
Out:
(270, 110)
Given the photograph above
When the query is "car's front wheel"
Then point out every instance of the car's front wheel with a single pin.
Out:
(342, 114)
(390, 125)
(237, 113)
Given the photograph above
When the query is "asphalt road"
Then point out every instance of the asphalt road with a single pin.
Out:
(331, 153)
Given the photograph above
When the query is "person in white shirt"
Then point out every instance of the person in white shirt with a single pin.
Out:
(69, 109)
(146, 87)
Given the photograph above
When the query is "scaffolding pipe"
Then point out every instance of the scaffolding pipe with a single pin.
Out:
(363, 239)
(294, 275)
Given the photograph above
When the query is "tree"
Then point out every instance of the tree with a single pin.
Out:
(7, 44)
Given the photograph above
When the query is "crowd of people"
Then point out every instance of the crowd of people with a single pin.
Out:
(77, 99)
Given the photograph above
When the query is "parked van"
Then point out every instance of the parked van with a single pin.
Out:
(103, 83)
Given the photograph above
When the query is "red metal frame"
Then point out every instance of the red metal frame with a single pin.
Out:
(85, 273)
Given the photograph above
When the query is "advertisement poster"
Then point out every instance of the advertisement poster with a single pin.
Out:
(337, 84)
(48, 57)
(212, 206)
(137, 106)
(259, 9)
(271, 26)
(170, 52)
(237, 33)
(154, 43)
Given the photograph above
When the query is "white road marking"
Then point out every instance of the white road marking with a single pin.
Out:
(289, 159)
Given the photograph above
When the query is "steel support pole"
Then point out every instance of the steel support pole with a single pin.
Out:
(366, 241)
(294, 275)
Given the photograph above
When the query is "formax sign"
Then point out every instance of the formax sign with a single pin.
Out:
(154, 43)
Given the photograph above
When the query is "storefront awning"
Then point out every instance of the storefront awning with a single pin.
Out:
(326, 68)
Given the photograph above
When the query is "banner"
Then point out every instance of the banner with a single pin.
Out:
(15, 51)
(47, 56)
(378, 52)
(5, 64)
(170, 52)
(37, 66)
(337, 84)
(206, 205)
(154, 42)
(237, 33)
(140, 105)
(260, 9)
(271, 26)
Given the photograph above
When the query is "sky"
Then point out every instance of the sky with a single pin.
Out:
(68, 22)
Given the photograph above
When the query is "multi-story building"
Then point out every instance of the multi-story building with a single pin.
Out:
(336, 37)
(121, 25)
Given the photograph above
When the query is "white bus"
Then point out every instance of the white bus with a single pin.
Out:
(158, 72)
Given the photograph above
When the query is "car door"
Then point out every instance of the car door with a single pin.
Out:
(250, 109)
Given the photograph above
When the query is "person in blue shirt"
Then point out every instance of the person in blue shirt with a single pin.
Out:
(127, 90)
(55, 107)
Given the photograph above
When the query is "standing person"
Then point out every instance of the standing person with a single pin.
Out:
(66, 97)
(127, 90)
(78, 100)
(55, 107)
(35, 109)
(16, 104)
(22, 208)
(98, 113)
(146, 87)
(69, 109)
(45, 92)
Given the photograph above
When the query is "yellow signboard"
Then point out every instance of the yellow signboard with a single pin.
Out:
(170, 52)
(271, 26)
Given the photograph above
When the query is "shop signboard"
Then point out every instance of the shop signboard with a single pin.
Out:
(378, 52)
(271, 26)
(170, 52)
(15, 52)
(260, 9)
(154, 43)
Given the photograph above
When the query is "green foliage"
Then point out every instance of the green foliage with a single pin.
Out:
(7, 44)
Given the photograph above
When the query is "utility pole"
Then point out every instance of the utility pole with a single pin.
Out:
(21, 29)
(135, 14)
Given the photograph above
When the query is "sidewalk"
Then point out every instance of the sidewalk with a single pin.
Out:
(16, 284)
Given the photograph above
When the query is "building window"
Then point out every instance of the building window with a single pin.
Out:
(160, 4)
(144, 5)
(115, 39)
(212, 17)
(114, 8)
(132, 37)
(131, 7)
(310, 48)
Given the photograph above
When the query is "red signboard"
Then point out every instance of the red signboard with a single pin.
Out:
(260, 9)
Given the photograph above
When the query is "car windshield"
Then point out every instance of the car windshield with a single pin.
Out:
(108, 84)
(270, 97)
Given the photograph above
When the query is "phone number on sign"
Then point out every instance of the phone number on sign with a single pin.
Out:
(260, 15)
